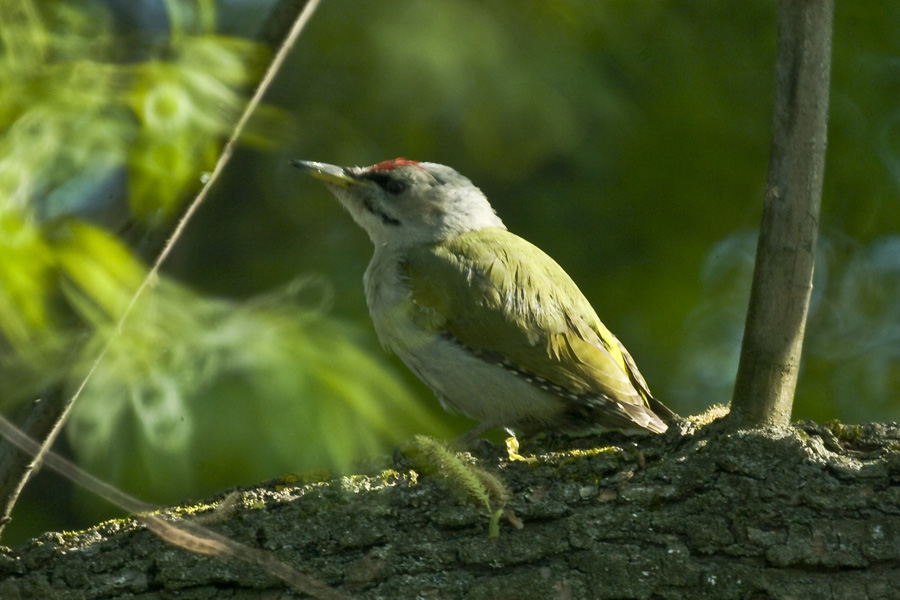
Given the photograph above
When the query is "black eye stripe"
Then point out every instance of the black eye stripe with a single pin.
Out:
(385, 218)
(386, 182)
(380, 178)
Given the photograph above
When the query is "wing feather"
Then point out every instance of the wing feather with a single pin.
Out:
(502, 296)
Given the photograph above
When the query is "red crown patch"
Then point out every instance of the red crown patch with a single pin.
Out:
(394, 163)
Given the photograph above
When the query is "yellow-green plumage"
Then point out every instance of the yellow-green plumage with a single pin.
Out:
(508, 302)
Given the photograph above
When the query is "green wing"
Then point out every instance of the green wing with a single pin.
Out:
(508, 301)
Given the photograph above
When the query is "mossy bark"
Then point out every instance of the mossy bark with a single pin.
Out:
(805, 512)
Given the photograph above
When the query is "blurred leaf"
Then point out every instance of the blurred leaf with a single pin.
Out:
(100, 266)
(183, 401)
(26, 269)
(72, 102)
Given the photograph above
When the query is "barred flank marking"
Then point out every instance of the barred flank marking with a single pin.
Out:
(543, 383)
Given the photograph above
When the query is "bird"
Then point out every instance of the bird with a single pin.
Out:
(493, 325)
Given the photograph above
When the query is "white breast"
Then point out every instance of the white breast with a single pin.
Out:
(461, 381)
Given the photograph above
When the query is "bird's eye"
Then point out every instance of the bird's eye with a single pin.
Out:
(395, 187)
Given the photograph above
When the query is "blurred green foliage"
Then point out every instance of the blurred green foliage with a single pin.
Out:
(77, 100)
(107, 133)
(628, 139)
(199, 393)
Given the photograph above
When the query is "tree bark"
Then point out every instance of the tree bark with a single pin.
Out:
(806, 512)
(782, 277)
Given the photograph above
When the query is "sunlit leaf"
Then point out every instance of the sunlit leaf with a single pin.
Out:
(26, 274)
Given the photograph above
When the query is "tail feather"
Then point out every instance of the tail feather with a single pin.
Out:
(644, 418)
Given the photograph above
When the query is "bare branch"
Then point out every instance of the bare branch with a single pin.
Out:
(782, 279)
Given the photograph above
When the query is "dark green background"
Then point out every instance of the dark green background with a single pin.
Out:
(628, 139)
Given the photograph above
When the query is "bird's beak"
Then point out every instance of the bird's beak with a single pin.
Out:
(327, 173)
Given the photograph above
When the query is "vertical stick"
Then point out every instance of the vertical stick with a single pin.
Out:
(782, 278)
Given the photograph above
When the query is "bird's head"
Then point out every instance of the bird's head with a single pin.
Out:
(404, 202)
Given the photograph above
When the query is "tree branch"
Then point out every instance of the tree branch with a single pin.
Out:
(782, 278)
(803, 513)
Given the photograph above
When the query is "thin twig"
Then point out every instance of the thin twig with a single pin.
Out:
(16, 465)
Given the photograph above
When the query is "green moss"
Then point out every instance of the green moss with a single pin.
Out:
(458, 473)
(845, 433)
(711, 414)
